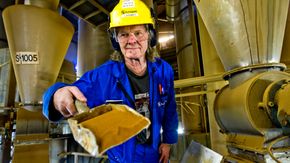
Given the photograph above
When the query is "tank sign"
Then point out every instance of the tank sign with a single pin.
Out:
(26, 58)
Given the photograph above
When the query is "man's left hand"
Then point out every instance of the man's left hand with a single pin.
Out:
(164, 150)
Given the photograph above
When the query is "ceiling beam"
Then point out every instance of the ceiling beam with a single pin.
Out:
(100, 7)
(92, 14)
(75, 5)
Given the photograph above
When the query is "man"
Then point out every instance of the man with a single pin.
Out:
(133, 76)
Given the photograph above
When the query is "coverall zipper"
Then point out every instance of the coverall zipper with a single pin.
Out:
(126, 93)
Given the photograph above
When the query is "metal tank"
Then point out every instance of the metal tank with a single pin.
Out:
(192, 108)
(181, 13)
(251, 110)
(245, 32)
(38, 39)
(248, 36)
(94, 46)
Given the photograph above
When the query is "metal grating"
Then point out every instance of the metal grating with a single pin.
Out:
(93, 11)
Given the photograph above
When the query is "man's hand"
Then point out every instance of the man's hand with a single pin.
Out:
(63, 100)
(164, 150)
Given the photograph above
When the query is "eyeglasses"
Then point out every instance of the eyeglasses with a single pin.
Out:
(124, 36)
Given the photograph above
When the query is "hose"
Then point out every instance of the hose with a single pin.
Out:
(269, 148)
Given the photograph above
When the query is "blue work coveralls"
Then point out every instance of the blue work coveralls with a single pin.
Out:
(110, 82)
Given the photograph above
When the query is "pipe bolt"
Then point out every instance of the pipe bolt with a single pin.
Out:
(284, 122)
(283, 86)
(270, 103)
(261, 106)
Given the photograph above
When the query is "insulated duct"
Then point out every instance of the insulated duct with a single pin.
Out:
(175, 9)
(187, 58)
(38, 39)
(94, 46)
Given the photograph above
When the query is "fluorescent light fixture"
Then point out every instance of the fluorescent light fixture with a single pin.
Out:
(165, 38)
(180, 130)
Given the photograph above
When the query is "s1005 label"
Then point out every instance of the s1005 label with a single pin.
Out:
(26, 58)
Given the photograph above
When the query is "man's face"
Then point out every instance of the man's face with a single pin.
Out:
(133, 41)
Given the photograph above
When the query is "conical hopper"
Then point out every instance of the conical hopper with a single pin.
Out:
(245, 32)
(38, 39)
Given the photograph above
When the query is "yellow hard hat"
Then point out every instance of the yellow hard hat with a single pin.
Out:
(130, 12)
